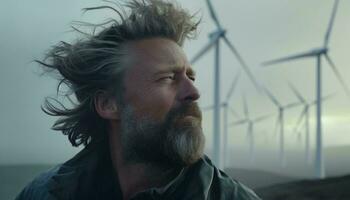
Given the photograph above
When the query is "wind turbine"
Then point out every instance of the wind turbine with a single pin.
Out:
(280, 121)
(250, 131)
(318, 53)
(227, 108)
(214, 40)
(305, 115)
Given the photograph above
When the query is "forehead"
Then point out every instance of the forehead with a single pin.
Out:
(154, 55)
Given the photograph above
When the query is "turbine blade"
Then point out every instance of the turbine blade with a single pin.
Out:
(233, 86)
(331, 22)
(301, 117)
(324, 98)
(262, 118)
(337, 74)
(242, 63)
(296, 92)
(242, 121)
(271, 97)
(327, 97)
(292, 57)
(205, 49)
(291, 105)
(233, 111)
(213, 14)
(245, 107)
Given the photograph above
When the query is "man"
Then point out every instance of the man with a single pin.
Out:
(135, 112)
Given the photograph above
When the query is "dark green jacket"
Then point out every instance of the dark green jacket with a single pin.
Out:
(89, 175)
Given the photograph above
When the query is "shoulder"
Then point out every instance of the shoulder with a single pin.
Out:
(39, 187)
(61, 180)
(227, 187)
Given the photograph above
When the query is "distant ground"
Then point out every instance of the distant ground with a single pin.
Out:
(337, 188)
(337, 162)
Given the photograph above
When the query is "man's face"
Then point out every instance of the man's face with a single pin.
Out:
(160, 119)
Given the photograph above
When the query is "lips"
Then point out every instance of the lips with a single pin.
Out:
(192, 110)
(190, 117)
(187, 121)
(186, 115)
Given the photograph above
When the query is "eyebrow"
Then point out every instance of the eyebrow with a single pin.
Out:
(176, 68)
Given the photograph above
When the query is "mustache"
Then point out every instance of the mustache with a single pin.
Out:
(186, 109)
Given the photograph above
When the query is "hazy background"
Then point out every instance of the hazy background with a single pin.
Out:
(260, 30)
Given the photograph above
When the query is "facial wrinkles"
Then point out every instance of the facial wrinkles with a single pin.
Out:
(164, 53)
(148, 63)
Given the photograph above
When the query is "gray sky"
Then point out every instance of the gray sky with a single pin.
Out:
(260, 30)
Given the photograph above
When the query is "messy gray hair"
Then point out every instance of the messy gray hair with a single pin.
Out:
(93, 64)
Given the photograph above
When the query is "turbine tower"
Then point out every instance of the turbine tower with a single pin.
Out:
(318, 53)
(280, 122)
(214, 40)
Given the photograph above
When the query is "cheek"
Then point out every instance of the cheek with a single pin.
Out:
(155, 103)
(159, 102)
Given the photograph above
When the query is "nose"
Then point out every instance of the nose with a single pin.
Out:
(188, 92)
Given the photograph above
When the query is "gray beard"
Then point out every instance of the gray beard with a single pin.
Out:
(163, 144)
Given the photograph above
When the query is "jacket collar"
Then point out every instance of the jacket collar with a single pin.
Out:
(193, 182)
(195, 179)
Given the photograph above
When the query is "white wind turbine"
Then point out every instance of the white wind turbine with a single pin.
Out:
(214, 40)
(305, 115)
(250, 130)
(280, 122)
(318, 53)
(227, 108)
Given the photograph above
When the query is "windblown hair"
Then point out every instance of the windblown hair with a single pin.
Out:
(93, 64)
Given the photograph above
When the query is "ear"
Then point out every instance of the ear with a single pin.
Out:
(106, 106)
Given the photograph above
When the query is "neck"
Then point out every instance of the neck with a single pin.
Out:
(136, 177)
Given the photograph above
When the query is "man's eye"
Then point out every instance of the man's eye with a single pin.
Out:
(171, 77)
(192, 78)
(168, 77)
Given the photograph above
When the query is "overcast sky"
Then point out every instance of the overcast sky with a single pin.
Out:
(260, 30)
